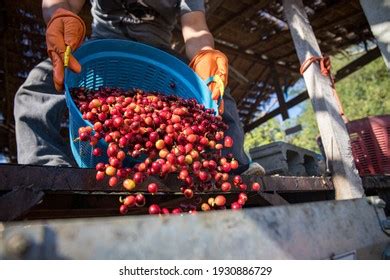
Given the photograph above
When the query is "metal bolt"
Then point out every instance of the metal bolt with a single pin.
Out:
(17, 245)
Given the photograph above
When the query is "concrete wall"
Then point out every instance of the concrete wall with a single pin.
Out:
(288, 160)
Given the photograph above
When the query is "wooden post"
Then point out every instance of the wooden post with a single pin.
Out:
(378, 15)
(279, 94)
(346, 180)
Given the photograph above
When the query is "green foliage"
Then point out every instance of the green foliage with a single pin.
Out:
(306, 138)
(266, 133)
(363, 93)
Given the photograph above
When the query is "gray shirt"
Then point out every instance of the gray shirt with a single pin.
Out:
(147, 21)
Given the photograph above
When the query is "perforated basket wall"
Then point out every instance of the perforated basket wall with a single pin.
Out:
(126, 64)
(370, 141)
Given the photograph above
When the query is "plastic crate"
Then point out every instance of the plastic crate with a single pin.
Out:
(126, 64)
(370, 142)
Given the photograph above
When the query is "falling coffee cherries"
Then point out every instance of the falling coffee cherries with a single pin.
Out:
(167, 135)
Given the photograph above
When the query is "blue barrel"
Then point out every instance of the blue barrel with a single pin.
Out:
(126, 64)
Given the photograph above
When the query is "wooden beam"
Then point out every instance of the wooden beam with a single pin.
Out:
(236, 75)
(379, 182)
(241, 97)
(319, 16)
(246, 9)
(346, 180)
(11, 206)
(74, 192)
(378, 16)
(328, 26)
(292, 130)
(255, 57)
(341, 74)
(357, 29)
(235, 95)
(259, 97)
(274, 199)
(279, 94)
(296, 100)
(69, 180)
(214, 5)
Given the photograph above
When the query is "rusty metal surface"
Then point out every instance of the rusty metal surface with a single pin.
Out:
(376, 182)
(296, 184)
(18, 201)
(74, 192)
(75, 179)
(273, 198)
(59, 182)
(56, 206)
(318, 230)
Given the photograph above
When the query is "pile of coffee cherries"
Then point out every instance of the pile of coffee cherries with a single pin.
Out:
(165, 134)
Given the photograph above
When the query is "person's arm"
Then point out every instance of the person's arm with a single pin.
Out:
(196, 33)
(206, 61)
(50, 6)
(65, 32)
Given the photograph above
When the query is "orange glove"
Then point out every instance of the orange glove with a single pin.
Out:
(64, 29)
(212, 63)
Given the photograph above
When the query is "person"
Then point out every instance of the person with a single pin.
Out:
(39, 104)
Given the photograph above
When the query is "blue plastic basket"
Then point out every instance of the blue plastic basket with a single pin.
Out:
(126, 64)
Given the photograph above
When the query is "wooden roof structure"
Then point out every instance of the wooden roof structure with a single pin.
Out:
(263, 60)
(253, 33)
